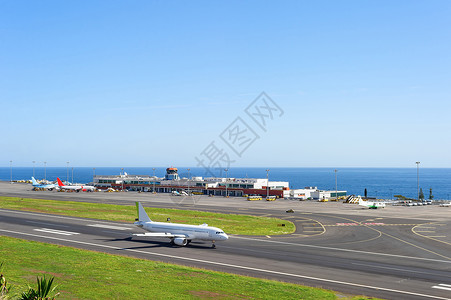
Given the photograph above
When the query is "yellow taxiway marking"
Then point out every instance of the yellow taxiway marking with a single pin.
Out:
(427, 231)
(411, 244)
(436, 236)
(307, 221)
(429, 237)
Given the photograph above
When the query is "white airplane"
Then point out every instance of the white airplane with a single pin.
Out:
(84, 188)
(37, 185)
(371, 205)
(180, 234)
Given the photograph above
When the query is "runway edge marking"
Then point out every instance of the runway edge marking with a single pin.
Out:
(345, 250)
(233, 266)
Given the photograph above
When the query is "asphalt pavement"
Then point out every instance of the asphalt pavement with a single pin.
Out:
(392, 253)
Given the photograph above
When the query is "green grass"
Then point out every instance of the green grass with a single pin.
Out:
(82, 274)
(230, 223)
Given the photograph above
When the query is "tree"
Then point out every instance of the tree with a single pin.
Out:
(421, 195)
(430, 194)
(366, 193)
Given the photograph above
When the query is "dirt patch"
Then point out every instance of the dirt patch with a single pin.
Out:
(56, 275)
(215, 295)
(193, 274)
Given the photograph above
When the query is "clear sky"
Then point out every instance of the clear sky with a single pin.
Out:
(153, 83)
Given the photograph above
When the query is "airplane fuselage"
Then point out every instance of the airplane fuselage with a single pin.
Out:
(84, 188)
(191, 232)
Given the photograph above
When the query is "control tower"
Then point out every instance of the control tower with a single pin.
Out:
(171, 174)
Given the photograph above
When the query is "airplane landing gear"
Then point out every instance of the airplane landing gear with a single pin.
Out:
(213, 245)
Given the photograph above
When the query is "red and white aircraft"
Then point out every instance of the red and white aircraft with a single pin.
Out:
(84, 188)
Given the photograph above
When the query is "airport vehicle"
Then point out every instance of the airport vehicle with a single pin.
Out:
(180, 234)
(254, 198)
(271, 198)
(77, 188)
(371, 205)
(37, 185)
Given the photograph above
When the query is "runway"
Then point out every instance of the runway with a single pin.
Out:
(350, 252)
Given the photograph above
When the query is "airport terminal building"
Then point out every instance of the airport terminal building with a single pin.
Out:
(215, 186)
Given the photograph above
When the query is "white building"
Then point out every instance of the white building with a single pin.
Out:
(313, 193)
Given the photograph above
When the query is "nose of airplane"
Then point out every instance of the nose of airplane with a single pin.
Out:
(225, 237)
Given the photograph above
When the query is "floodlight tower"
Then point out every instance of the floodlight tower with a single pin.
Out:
(267, 183)
(227, 179)
(418, 180)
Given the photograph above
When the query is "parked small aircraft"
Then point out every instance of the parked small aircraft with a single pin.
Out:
(84, 188)
(37, 185)
(371, 205)
(180, 234)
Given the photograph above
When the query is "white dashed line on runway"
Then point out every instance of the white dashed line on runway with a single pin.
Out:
(54, 231)
(109, 226)
(442, 286)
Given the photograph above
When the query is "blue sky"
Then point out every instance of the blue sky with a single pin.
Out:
(153, 83)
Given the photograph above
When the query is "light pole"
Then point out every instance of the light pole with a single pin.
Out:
(123, 178)
(67, 172)
(418, 180)
(226, 183)
(93, 174)
(267, 183)
(11, 171)
(391, 194)
(45, 170)
(154, 180)
(336, 185)
(188, 179)
(33, 166)
(72, 174)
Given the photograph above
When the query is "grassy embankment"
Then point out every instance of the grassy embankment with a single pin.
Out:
(82, 274)
(230, 223)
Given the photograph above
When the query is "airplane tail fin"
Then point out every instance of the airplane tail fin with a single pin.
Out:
(60, 183)
(33, 181)
(142, 215)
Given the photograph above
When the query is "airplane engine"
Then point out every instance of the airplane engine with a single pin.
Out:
(180, 241)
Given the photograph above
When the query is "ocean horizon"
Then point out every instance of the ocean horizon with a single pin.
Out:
(383, 183)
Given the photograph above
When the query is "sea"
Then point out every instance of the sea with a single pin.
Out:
(383, 183)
